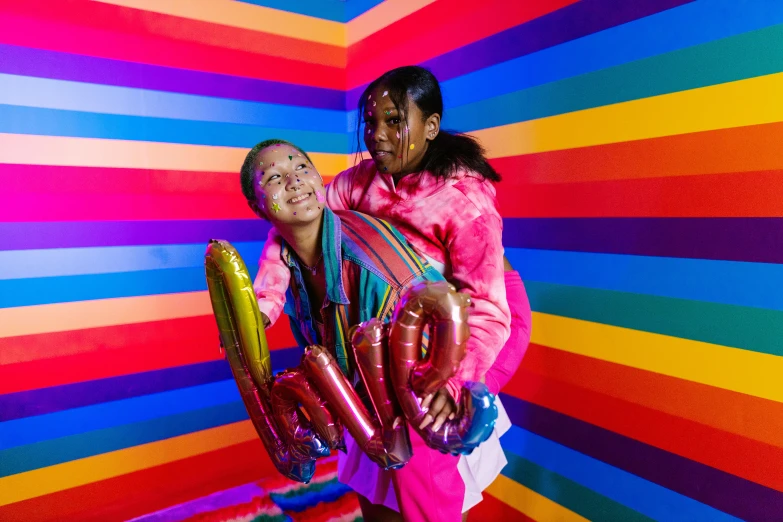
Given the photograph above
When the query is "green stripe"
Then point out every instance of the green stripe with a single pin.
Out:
(747, 55)
(756, 329)
(567, 493)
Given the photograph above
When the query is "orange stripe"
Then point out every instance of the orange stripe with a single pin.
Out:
(131, 495)
(744, 415)
(740, 149)
(61, 317)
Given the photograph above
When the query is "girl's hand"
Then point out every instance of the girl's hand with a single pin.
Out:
(440, 407)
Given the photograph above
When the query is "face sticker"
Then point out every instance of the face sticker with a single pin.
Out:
(320, 197)
(275, 208)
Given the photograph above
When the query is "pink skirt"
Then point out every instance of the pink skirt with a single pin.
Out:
(477, 470)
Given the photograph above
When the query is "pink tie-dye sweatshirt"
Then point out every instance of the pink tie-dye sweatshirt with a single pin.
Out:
(453, 222)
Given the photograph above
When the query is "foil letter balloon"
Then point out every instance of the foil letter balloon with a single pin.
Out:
(371, 350)
(291, 391)
(446, 312)
(242, 336)
(323, 371)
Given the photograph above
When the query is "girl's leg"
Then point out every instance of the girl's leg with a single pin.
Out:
(514, 350)
(377, 512)
(429, 487)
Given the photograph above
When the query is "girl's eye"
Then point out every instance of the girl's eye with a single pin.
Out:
(300, 167)
(394, 121)
(272, 177)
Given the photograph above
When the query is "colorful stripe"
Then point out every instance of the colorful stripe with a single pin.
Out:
(640, 148)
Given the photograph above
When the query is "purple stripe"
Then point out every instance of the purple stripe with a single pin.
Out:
(729, 493)
(58, 398)
(70, 234)
(566, 24)
(65, 66)
(757, 240)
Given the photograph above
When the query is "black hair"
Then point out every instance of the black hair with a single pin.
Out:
(246, 175)
(450, 151)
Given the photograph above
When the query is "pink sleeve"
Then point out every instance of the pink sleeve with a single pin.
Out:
(510, 357)
(476, 256)
(272, 280)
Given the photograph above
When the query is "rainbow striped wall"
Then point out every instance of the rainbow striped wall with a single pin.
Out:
(640, 143)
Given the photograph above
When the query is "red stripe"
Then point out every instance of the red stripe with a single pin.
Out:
(493, 509)
(67, 357)
(436, 29)
(129, 21)
(35, 179)
(150, 490)
(743, 194)
(746, 458)
(741, 149)
(744, 415)
(65, 27)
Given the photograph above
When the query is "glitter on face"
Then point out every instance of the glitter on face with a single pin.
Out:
(398, 134)
(385, 93)
(275, 208)
(413, 146)
(276, 196)
(319, 196)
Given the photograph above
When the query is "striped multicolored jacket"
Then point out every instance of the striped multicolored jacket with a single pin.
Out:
(368, 266)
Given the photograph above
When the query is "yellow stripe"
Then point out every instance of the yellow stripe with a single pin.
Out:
(529, 502)
(736, 104)
(44, 481)
(60, 317)
(245, 16)
(92, 152)
(380, 16)
(744, 371)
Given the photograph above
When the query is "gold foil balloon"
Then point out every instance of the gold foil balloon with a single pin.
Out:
(242, 336)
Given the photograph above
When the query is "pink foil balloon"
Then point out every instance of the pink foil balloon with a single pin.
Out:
(446, 312)
(323, 371)
(292, 391)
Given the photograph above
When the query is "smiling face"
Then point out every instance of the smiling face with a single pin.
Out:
(397, 142)
(288, 189)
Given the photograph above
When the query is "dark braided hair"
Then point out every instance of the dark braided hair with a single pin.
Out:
(246, 175)
(449, 152)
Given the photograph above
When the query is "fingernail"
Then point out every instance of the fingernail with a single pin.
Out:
(436, 426)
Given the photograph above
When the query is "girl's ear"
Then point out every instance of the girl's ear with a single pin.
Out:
(257, 210)
(432, 127)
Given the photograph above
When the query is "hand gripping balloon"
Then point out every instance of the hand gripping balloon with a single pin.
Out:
(446, 311)
(242, 335)
(367, 431)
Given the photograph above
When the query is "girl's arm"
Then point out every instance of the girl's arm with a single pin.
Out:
(272, 280)
(475, 252)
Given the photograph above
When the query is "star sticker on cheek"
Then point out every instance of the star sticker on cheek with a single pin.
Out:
(275, 208)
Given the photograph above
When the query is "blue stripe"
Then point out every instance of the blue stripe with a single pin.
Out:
(726, 282)
(51, 122)
(51, 452)
(66, 289)
(334, 10)
(625, 488)
(88, 97)
(691, 24)
(31, 430)
(22, 264)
